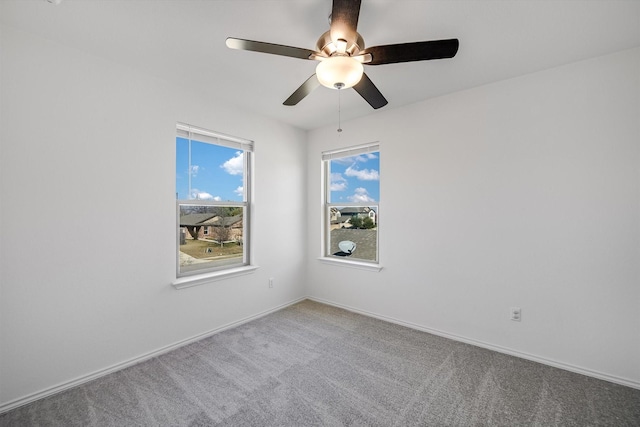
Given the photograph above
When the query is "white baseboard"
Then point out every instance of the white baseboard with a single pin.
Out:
(488, 346)
(5, 407)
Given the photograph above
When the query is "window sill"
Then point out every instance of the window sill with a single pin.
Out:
(201, 279)
(352, 264)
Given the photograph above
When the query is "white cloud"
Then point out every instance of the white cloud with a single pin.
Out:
(360, 195)
(338, 182)
(194, 170)
(203, 195)
(239, 191)
(363, 175)
(235, 165)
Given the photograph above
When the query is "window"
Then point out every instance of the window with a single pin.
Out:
(352, 201)
(213, 194)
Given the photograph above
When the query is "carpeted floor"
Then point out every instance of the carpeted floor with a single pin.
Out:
(312, 364)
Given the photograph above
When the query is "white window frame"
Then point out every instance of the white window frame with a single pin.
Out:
(206, 275)
(326, 257)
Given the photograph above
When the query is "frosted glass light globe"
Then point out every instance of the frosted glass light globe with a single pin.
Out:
(339, 72)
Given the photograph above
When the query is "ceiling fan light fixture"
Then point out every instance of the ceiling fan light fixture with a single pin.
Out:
(342, 52)
(339, 72)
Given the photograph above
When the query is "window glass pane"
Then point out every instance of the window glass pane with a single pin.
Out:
(355, 179)
(212, 200)
(210, 237)
(207, 171)
(353, 232)
(353, 194)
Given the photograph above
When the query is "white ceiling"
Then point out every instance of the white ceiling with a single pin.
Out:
(183, 41)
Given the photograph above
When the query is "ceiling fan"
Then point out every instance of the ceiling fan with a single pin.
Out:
(342, 53)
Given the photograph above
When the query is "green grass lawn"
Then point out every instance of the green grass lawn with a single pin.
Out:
(198, 249)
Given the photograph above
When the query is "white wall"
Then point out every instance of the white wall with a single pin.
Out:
(521, 193)
(87, 216)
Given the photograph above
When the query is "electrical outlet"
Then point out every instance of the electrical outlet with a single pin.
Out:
(271, 282)
(516, 314)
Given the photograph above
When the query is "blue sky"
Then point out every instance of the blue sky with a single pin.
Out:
(355, 179)
(216, 171)
(217, 174)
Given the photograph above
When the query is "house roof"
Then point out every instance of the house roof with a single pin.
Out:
(195, 219)
(340, 220)
(354, 210)
(229, 220)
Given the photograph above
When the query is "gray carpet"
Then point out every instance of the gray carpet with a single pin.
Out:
(312, 364)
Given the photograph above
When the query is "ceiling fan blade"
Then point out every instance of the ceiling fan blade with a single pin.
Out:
(370, 92)
(305, 89)
(274, 49)
(344, 20)
(416, 51)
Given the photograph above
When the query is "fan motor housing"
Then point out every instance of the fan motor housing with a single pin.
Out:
(327, 47)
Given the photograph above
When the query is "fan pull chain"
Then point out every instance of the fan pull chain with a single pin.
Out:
(339, 86)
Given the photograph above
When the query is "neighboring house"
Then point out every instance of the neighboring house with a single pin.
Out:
(341, 218)
(234, 223)
(359, 211)
(203, 226)
(195, 224)
(337, 220)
